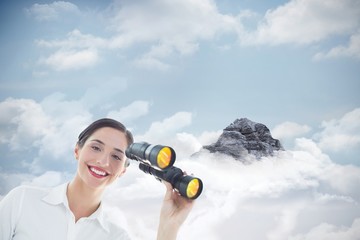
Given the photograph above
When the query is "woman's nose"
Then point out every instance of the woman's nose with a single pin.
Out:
(104, 160)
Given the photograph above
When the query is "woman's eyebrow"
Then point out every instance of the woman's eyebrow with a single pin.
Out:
(102, 143)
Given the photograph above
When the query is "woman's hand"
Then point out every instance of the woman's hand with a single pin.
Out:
(174, 211)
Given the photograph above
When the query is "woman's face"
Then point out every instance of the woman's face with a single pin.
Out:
(102, 158)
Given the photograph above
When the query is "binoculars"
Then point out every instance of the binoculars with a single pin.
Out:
(158, 160)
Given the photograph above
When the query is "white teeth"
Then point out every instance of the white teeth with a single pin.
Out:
(98, 172)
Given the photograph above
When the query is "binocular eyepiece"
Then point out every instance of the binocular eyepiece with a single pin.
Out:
(163, 158)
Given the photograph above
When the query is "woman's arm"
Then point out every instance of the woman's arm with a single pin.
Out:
(174, 211)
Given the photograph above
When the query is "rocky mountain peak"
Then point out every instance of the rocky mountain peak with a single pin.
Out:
(243, 137)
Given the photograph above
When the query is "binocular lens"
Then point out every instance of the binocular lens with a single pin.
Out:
(193, 188)
(164, 157)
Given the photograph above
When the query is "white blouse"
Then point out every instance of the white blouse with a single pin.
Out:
(38, 213)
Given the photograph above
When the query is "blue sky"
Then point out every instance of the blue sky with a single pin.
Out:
(177, 73)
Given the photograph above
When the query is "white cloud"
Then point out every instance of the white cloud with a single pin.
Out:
(166, 28)
(103, 94)
(60, 108)
(343, 179)
(177, 25)
(305, 22)
(326, 197)
(285, 222)
(340, 134)
(151, 59)
(69, 59)
(53, 11)
(208, 137)
(159, 131)
(151, 63)
(75, 39)
(43, 128)
(23, 123)
(61, 141)
(132, 111)
(289, 130)
(331, 232)
(187, 144)
(351, 50)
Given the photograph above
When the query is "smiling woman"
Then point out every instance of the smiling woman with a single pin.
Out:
(74, 210)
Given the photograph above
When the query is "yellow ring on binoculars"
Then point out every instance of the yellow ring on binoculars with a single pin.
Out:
(164, 157)
(192, 188)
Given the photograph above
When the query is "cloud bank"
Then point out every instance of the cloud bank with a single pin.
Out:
(294, 195)
(300, 193)
(178, 29)
(340, 134)
(306, 21)
(52, 11)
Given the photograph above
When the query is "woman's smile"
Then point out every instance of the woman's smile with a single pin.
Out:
(97, 172)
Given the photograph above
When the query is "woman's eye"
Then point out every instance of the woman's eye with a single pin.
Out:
(96, 148)
(116, 157)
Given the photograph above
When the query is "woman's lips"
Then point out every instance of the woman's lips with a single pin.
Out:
(97, 172)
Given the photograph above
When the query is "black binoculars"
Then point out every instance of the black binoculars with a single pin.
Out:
(158, 161)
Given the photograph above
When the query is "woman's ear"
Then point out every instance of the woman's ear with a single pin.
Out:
(76, 151)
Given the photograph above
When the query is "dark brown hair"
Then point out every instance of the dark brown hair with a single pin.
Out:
(104, 122)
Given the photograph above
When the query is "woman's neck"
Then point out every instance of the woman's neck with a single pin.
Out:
(83, 200)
